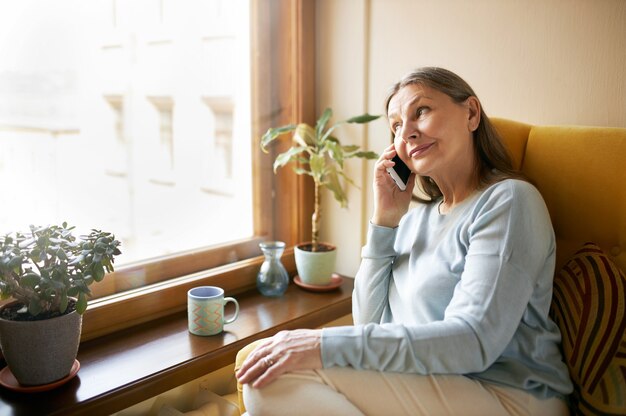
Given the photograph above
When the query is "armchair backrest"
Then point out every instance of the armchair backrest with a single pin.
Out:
(581, 173)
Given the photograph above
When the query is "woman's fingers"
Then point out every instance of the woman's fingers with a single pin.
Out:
(262, 370)
(286, 351)
(272, 368)
(387, 155)
(252, 367)
(381, 177)
(389, 151)
(390, 203)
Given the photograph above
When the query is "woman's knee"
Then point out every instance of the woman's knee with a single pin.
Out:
(239, 360)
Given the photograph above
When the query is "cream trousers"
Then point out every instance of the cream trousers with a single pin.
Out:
(345, 392)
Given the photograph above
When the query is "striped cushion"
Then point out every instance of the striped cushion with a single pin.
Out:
(589, 306)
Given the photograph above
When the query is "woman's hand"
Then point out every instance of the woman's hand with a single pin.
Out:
(284, 352)
(390, 203)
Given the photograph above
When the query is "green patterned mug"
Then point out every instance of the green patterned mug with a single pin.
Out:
(205, 310)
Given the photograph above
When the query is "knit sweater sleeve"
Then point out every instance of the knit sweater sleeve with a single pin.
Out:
(510, 241)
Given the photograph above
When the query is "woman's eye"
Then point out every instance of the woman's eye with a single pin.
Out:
(421, 111)
(396, 127)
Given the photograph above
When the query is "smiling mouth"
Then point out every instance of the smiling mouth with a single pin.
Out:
(420, 149)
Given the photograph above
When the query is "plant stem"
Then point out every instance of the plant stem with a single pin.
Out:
(20, 294)
(317, 214)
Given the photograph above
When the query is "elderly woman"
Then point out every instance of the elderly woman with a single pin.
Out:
(452, 296)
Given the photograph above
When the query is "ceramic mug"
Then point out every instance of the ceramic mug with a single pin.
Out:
(205, 310)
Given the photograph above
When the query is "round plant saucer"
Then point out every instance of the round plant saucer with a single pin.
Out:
(8, 380)
(335, 282)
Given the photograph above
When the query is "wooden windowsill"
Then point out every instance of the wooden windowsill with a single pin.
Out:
(132, 365)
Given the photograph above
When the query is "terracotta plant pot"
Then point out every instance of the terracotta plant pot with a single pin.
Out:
(315, 267)
(40, 352)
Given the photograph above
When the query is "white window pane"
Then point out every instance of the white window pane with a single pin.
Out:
(105, 121)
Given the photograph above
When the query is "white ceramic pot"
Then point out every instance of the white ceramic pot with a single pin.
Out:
(315, 267)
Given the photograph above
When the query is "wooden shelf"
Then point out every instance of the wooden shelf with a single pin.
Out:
(132, 365)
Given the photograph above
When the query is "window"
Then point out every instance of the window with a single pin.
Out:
(117, 154)
(155, 97)
(218, 163)
(113, 105)
(161, 146)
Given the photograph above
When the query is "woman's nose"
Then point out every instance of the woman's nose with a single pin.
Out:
(408, 131)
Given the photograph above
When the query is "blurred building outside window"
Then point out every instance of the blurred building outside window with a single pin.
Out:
(127, 116)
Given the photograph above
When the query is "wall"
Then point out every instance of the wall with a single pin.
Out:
(541, 62)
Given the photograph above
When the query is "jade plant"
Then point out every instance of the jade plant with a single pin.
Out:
(316, 152)
(45, 269)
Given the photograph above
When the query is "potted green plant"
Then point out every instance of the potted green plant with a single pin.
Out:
(316, 152)
(47, 272)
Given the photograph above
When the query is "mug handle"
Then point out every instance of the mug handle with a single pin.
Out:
(236, 314)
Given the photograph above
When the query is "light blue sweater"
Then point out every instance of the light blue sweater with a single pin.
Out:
(463, 293)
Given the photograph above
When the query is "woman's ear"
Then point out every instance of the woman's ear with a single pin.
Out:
(473, 106)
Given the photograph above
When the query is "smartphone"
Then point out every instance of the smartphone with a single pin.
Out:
(400, 173)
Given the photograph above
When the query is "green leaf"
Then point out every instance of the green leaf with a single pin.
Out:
(26, 243)
(77, 260)
(15, 262)
(98, 272)
(335, 152)
(317, 164)
(327, 136)
(63, 303)
(58, 273)
(30, 280)
(81, 304)
(107, 265)
(34, 308)
(58, 285)
(332, 139)
(301, 171)
(363, 155)
(284, 158)
(4, 290)
(273, 133)
(333, 184)
(347, 179)
(351, 148)
(304, 135)
(321, 123)
(364, 118)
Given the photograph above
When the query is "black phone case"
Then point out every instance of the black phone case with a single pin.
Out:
(400, 172)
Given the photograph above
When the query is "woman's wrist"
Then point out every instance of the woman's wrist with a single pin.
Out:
(382, 221)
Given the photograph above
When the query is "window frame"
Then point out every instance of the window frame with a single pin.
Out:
(283, 92)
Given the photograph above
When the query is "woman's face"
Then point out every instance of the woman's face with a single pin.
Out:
(433, 134)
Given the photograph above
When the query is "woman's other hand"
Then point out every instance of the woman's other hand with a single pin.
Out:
(284, 352)
(390, 203)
